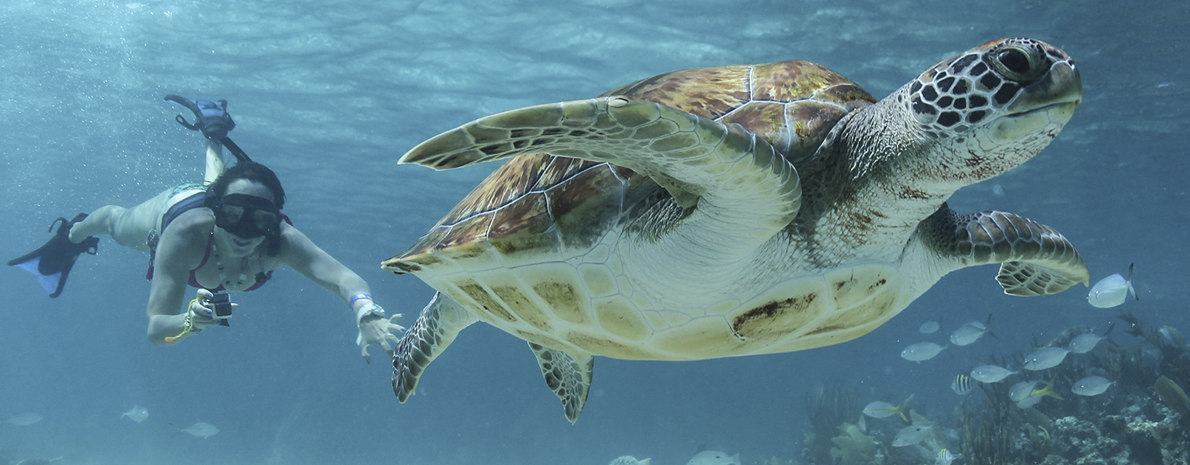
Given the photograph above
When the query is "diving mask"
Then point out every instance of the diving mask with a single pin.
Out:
(247, 216)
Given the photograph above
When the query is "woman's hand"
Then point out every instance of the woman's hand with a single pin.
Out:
(202, 311)
(375, 329)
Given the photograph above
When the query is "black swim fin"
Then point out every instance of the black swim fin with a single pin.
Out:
(52, 262)
(212, 119)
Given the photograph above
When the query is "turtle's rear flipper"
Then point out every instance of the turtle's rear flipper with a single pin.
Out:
(568, 375)
(433, 331)
(1034, 258)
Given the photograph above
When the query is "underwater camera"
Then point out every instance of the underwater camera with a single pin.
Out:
(222, 304)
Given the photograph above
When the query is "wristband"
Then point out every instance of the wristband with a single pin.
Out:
(357, 297)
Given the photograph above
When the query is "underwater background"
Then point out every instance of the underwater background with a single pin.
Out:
(331, 94)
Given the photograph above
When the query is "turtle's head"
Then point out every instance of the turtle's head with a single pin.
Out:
(993, 107)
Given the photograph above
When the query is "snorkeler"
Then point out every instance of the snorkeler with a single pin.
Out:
(227, 234)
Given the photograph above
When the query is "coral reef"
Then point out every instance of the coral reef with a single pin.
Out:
(1142, 418)
(827, 409)
(853, 447)
(985, 441)
(1139, 420)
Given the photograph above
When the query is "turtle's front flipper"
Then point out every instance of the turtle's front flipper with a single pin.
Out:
(735, 171)
(1034, 258)
(568, 375)
(433, 331)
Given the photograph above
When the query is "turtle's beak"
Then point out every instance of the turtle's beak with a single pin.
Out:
(1058, 92)
(1047, 102)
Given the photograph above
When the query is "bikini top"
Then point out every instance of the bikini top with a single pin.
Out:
(261, 278)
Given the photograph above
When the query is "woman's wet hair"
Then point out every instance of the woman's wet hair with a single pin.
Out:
(250, 171)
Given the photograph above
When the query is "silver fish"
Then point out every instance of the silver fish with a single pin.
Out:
(929, 327)
(136, 413)
(882, 409)
(1112, 290)
(1084, 342)
(962, 385)
(714, 457)
(921, 351)
(201, 430)
(990, 373)
(970, 332)
(1021, 390)
(911, 435)
(1091, 386)
(1045, 357)
(1028, 401)
(1028, 395)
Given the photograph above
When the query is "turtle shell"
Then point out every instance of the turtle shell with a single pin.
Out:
(791, 104)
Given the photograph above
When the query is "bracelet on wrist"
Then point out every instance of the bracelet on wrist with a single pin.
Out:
(357, 297)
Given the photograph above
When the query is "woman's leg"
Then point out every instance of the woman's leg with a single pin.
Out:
(128, 226)
(215, 165)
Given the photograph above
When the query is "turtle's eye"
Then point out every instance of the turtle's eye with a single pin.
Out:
(1015, 60)
(1014, 64)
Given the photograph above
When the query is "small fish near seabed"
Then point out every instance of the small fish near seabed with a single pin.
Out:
(1112, 290)
(25, 419)
(201, 430)
(929, 327)
(971, 332)
(1025, 395)
(1045, 358)
(921, 351)
(628, 460)
(1091, 386)
(990, 373)
(136, 413)
(911, 435)
(962, 385)
(714, 457)
(882, 409)
(1171, 337)
(945, 457)
(1021, 390)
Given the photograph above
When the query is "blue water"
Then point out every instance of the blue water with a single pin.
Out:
(330, 94)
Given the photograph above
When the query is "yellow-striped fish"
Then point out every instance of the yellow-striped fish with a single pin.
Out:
(882, 409)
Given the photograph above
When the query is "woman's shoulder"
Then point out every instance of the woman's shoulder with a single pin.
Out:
(184, 242)
(294, 242)
(192, 223)
(291, 235)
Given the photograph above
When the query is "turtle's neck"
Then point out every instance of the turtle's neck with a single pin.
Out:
(871, 183)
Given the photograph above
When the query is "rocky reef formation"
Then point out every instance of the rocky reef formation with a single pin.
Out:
(1141, 418)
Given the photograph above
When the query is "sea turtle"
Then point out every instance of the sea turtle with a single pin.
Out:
(734, 210)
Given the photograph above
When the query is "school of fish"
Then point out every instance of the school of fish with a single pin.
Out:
(1109, 292)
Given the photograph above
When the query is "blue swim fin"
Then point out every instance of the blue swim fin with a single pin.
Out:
(52, 262)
